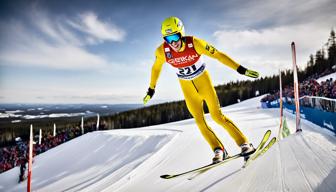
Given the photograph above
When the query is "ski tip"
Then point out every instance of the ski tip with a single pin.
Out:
(165, 176)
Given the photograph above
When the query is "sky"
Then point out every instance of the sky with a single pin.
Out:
(102, 51)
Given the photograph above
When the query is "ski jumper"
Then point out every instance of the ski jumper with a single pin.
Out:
(197, 86)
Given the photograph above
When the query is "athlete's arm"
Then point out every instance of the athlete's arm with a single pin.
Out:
(202, 47)
(156, 70)
(157, 66)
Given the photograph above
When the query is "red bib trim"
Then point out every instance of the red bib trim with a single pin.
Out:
(188, 63)
(186, 58)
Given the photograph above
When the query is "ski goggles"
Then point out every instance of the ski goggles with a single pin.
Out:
(175, 37)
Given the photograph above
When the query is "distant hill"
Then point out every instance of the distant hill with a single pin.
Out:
(16, 118)
(17, 112)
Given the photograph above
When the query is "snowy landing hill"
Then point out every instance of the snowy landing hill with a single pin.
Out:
(133, 159)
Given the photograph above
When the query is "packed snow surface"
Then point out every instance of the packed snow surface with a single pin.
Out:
(327, 77)
(133, 159)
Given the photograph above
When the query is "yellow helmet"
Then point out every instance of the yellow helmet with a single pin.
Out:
(172, 25)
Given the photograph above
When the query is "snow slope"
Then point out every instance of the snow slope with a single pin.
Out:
(133, 159)
(324, 78)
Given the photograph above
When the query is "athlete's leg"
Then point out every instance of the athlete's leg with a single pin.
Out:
(195, 106)
(208, 92)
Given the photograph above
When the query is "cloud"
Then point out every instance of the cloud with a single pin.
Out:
(89, 24)
(52, 43)
(257, 13)
(268, 49)
(63, 57)
(258, 34)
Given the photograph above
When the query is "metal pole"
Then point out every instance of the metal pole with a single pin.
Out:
(30, 159)
(296, 89)
(281, 106)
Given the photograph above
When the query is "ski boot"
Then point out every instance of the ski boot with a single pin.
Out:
(220, 155)
(247, 149)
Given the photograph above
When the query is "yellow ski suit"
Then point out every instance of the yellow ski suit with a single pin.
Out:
(199, 89)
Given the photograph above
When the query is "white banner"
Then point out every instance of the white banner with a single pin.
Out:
(82, 125)
(97, 125)
(54, 130)
(40, 137)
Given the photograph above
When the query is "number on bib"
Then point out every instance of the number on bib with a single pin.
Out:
(187, 70)
(192, 71)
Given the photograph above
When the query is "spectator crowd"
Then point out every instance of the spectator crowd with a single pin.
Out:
(307, 88)
(324, 89)
(12, 156)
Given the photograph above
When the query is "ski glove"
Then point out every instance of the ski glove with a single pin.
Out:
(250, 73)
(149, 95)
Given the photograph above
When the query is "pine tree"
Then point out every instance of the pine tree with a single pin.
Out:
(319, 57)
(332, 50)
(310, 66)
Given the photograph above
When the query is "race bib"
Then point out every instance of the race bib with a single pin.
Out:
(191, 71)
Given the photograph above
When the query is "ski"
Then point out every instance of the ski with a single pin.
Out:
(260, 152)
(268, 146)
(260, 149)
(212, 165)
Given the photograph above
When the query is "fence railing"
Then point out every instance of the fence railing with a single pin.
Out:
(319, 110)
(321, 103)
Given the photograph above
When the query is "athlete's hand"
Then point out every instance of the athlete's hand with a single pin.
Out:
(251, 73)
(149, 95)
(247, 72)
